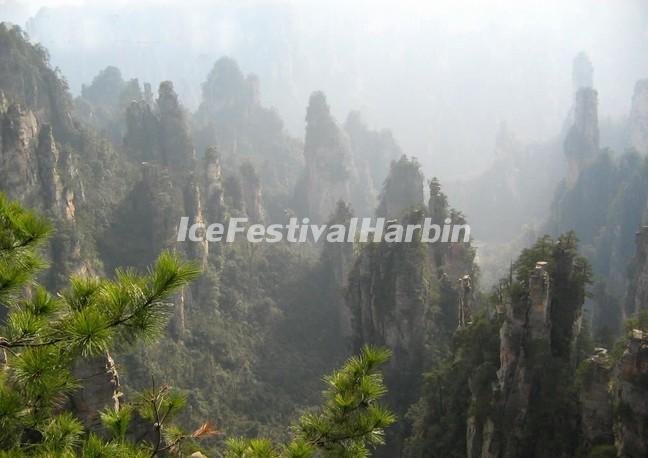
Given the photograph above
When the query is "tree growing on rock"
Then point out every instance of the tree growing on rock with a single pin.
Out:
(45, 337)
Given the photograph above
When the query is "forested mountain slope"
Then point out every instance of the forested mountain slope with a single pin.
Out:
(508, 373)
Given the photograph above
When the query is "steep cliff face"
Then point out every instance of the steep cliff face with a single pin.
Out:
(252, 195)
(402, 190)
(348, 163)
(146, 220)
(34, 170)
(173, 183)
(613, 397)
(328, 170)
(396, 288)
(142, 126)
(32, 165)
(582, 72)
(336, 262)
(213, 185)
(27, 79)
(537, 350)
(40, 147)
(19, 142)
(631, 397)
(227, 90)
(232, 118)
(103, 102)
(596, 407)
(411, 297)
(157, 139)
(511, 368)
(629, 392)
(605, 206)
(639, 117)
(455, 260)
(438, 203)
(49, 162)
(393, 297)
(637, 295)
(527, 322)
(176, 147)
(582, 141)
(581, 144)
(159, 133)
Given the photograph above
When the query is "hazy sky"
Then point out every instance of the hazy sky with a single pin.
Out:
(441, 75)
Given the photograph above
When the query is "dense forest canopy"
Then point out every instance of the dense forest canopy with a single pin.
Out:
(122, 336)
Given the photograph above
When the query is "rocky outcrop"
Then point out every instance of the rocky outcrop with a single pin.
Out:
(456, 260)
(194, 210)
(466, 300)
(541, 319)
(637, 295)
(213, 185)
(372, 149)
(159, 133)
(527, 322)
(507, 146)
(73, 176)
(582, 72)
(27, 79)
(346, 164)
(327, 152)
(227, 90)
(102, 103)
(252, 196)
(403, 189)
(614, 394)
(142, 126)
(337, 260)
(176, 147)
(639, 117)
(146, 220)
(614, 406)
(49, 179)
(101, 390)
(631, 398)
(595, 401)
(410, 297)
(231, 117)
(539, 312)
(390, 284)
(33, 169)
(19, 171)
(581, 144)
(438, 202)
(391, 294)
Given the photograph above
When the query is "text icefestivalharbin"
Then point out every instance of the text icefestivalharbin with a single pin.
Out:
(301, 231)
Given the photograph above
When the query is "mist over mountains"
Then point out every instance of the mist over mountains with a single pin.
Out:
(442, 76)
(525, 125)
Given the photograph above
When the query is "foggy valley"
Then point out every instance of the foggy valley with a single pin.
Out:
(271, 228)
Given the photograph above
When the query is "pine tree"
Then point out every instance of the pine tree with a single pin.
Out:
(43, 335)
(348, 425)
